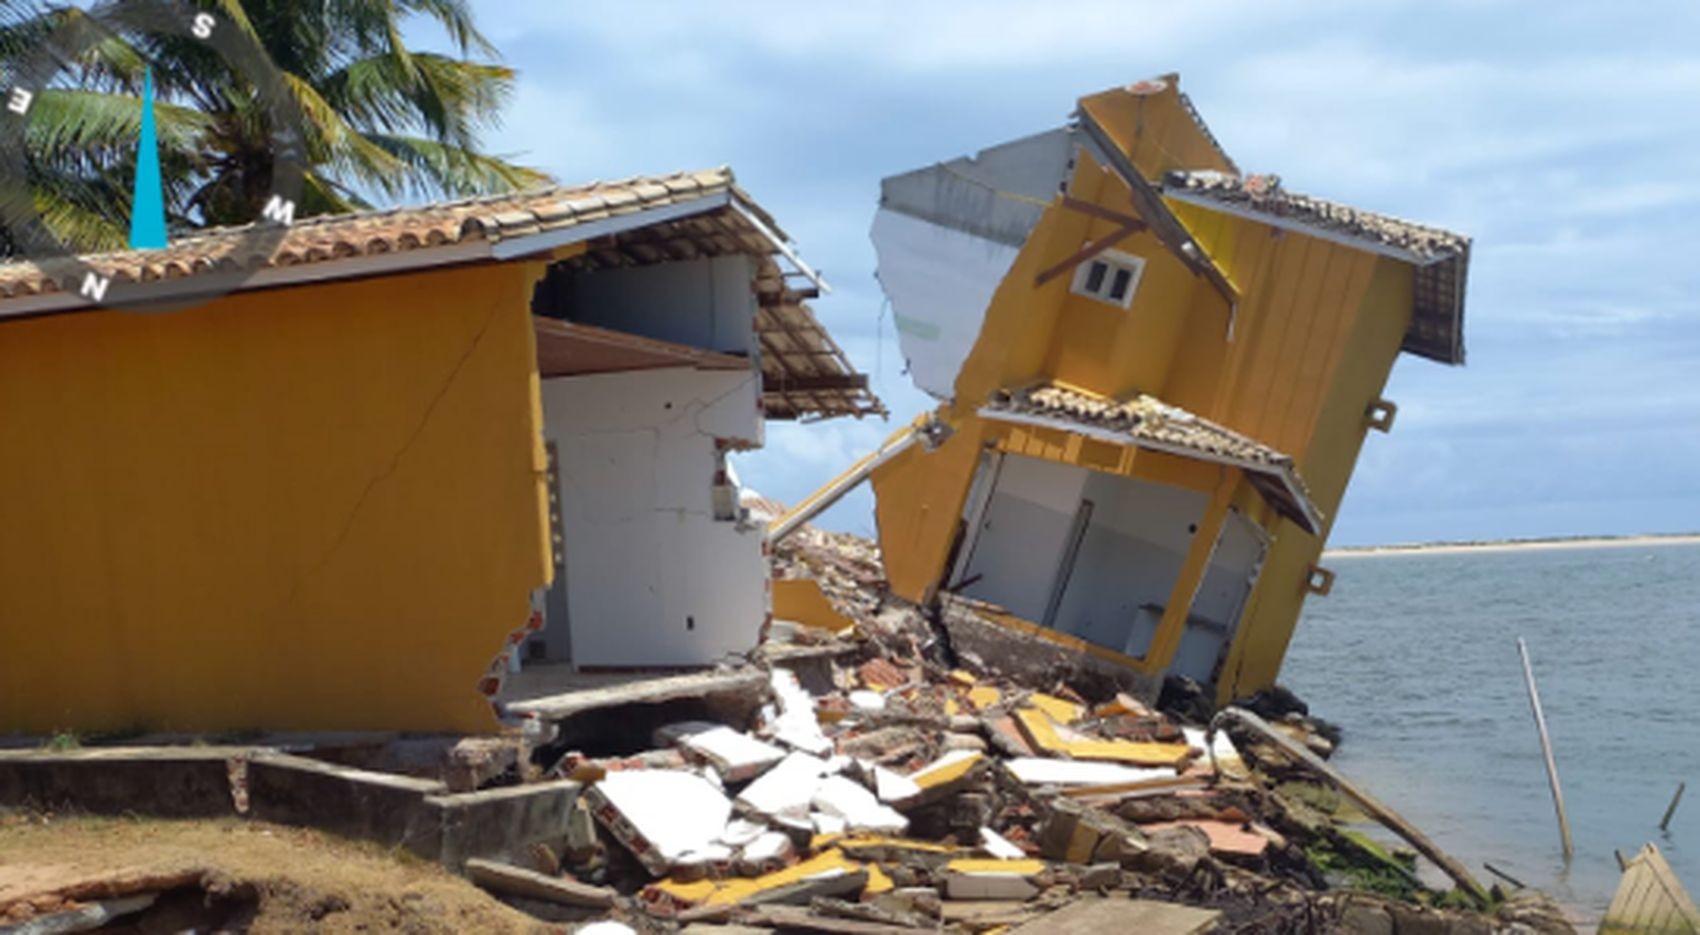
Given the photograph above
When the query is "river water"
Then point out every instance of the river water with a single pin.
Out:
(1415, 656)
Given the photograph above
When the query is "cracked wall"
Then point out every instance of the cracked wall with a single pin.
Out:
(655, 573)
(308, 508)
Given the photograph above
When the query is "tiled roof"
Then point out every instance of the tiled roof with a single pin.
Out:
(808, 375)
(1147, 422)
(395, 230)
(1441, 257)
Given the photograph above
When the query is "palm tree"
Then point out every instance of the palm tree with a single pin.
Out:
(381, 121)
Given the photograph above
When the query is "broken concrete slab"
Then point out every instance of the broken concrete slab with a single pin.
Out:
(746, 685)
(735, 755)
(507, 879)
(860, 809)
(1227, 838)
(167, 782)
(503, 822)
(1111, 916)
(793, 720)
(664, 817)
(382, 807)
(1042, 771)
(785, 793)
(978, 879)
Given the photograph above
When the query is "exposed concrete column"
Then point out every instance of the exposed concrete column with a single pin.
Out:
(1168, 638)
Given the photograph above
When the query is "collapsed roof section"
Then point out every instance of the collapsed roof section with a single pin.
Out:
(1441, 258)
(1147, 422)
(946, 235)
(631, 222)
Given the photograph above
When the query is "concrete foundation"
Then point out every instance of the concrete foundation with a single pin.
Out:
(502, 823)
(172, 782)
(381, 807)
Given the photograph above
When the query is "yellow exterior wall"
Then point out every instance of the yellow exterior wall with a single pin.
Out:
(1294, 365)
(309, 508)
(1341, 426)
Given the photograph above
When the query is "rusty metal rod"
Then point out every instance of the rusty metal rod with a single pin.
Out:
(1546, 750)
(1371, 806)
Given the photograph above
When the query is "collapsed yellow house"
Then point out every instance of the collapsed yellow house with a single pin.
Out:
(416, 446)
(1155, 375)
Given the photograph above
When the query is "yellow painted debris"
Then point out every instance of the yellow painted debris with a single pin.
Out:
(984, 696)
(951, 708)
(965, 679)
(943, 774)
(878, 882)
(728, 892)
(800, 600)
(1061, 711)
(854, 845)
(1120, 705)
(1026, 867)
(1041, 731)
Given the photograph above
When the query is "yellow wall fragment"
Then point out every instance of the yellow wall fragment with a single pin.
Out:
(944, 774)
(878, 882)
(1041, 731)
(1061, 711)
(728, 892)
(312, 508)
(984, 696)
(800, 600)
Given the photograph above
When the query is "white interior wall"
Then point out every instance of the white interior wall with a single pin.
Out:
(1221, 598)
(1023, 534)
(1131, 555)
(707, 303)
(940, 282)
(652, 578)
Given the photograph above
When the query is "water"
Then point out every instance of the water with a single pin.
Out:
(1415, 656)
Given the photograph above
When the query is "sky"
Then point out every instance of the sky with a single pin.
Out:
(1565, 139)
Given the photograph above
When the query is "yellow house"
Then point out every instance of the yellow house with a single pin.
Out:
(345, 495)
(1156, 374)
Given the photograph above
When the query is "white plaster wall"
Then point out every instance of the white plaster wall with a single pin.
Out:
(1023, 534)
(940, 282)
(1130, 557)
(652, 578)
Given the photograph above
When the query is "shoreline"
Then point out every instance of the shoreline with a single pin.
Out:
(1456, 548)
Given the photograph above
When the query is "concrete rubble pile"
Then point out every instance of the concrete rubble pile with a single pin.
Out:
(888, 785)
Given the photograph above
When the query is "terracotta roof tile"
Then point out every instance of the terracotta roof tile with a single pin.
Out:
(1442, 258)
(315, 240)
(1147, 422)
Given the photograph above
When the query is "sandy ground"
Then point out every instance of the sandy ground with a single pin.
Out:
(1534, 545)
(303, 880)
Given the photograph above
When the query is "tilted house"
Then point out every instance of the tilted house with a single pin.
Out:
(1156, 373)
(344, 496)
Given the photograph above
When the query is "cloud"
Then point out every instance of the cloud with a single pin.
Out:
(1553, 136)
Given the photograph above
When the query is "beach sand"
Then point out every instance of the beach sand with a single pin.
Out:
(1454, 548)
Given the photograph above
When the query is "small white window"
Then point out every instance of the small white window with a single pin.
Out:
(1110, 277)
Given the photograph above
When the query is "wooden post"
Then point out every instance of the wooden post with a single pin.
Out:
(1546, 749)
(1367, 803)
(1664, 825)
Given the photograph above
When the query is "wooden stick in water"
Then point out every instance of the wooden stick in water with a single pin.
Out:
(1664, 824)
(1546, 749)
